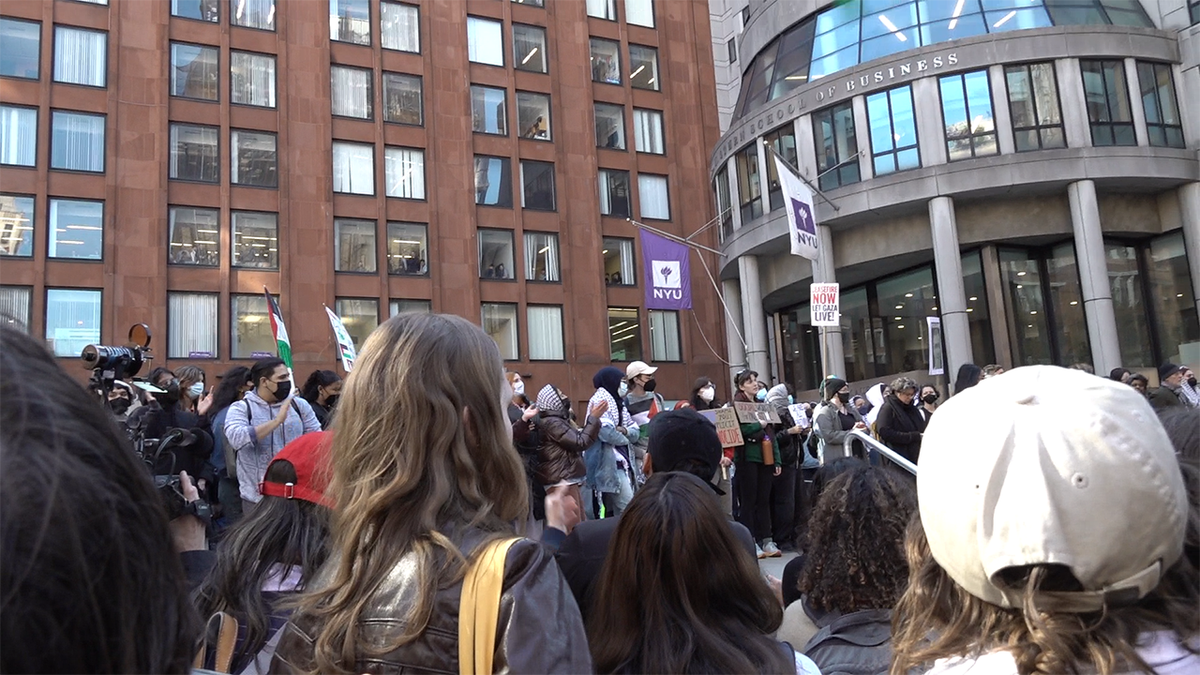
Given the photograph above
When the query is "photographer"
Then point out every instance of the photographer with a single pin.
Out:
(121, 402)
(163, 413)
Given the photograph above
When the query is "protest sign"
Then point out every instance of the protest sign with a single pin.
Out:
(797, 411)
(761, 413)
(728, 429)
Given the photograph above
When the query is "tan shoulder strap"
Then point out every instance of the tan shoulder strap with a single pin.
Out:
(226, 640)
(479, 609)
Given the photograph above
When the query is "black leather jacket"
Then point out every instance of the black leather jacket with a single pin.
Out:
(539, 628)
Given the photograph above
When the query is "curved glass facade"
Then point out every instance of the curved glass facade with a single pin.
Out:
(856, 31)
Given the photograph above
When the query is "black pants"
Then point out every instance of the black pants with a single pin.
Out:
(754, 497)
(804, 505)
(783, 506)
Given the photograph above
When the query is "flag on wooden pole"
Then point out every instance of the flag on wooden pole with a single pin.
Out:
(282, 343)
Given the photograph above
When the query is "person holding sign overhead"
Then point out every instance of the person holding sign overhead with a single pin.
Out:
(757, 462)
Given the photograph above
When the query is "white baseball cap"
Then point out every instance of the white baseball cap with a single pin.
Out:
(638, 368)
(1052, 466)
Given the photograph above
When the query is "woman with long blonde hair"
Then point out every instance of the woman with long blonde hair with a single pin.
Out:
(424, 476)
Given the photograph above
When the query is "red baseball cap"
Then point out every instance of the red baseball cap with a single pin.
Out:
(309, 455)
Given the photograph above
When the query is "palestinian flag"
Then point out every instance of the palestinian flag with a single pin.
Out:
(282, 342)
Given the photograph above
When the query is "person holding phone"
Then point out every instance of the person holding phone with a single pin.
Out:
(836, 417)
(560, 451)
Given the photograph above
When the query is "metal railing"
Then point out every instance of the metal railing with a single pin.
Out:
(874, 446)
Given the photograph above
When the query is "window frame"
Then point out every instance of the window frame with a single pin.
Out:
(104, 144)
(99, 292)
(215, 245)
(473, 20)
(731, 48)
(234, 23)
(623, 245)
(665, 355)
(233, 241)
(1112, 127)
(370, 92)
(750, 207)
(342, 313)
(604, 180)
(616, 50)
(655, 83)
(51, 227)
(37, 76)
(174, 69)
(37, 115)
(639, 130)
(529, 260)
(553, 186)
(521, 133)
(274, 105)
(27, 320)
(30, 228)
(349, 169)
(637, 317)
(381, 31)
(624, 141)
(666, 183)
(172, 151)
(505, 197)
(216, 14)
(562, 338)
(338, 223)
(233, 323)
(512, 247)
(973, 139)
(1038, 128)
(370, 24)
(1163, 128)
(234, 156)
(896, 149)
(383, 98)
(610, 7)
(423, 247)
(387, 164)
(775, 137)
(518, 62)
(216, 327)
(485, 89)
(54, 62)
(835, 171)
(516, 327)
(653, 19)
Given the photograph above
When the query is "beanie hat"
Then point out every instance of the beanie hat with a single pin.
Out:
(309, 456)
(833, 386)
(679, 436)
(1166, 370)
(1007, 480)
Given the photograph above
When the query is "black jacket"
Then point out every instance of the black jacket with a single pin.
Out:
(900, 426)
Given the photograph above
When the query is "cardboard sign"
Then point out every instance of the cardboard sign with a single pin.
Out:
(729, 429)
(936, 364)
(824, 303)
(762, 413)
(797, 411)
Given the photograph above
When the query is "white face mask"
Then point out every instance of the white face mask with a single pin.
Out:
(518, 388)
(623, 389)
(196, 389)
(707, 394)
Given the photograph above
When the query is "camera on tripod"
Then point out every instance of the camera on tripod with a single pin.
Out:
(109, 364)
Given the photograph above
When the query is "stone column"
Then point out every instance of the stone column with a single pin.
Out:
(734, 204)
(1093, 276)
(1135, 102)
(1189, 206)
(732, 291)
(862, 130)
(1074, 105)
(833, 354)
(952, 298)
(1003, 115)
(931, 134)
(994, 286)
(753, 318)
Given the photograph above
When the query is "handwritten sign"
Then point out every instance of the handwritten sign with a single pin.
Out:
(728, 428)
(762, 413)
(824, 303)
(797, 411)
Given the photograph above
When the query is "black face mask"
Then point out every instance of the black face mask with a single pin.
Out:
(170, 395)
(1191, 381)
(566, 404)
(930, 399)
(649, 386)
(843, 397)
(331, 401)
(282, 389)
(119, 405)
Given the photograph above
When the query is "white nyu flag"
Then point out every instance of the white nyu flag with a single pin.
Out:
(802, 219)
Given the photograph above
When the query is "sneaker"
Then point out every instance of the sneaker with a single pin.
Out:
(758, 550)
(771, 550)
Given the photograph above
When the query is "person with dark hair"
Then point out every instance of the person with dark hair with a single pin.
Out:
(608, 460)
(166, 411)
(1139, 382)
(704, 395)
(835, 418)
(900, 424)
(1183, 428)
(527, 438)
(756, 463)
(969, 375)
(191, 390)
(562, 446)
(677, 595)
(1189, 389)
(267, 557)
(1119, 374)
(263, 422)
(90, 582)
(822, 477)
(929, 399)
(680, 440)
(789, 438)
(321, 390)
(1169, 392)
(992, 370)
(854, 569)
(232, 386)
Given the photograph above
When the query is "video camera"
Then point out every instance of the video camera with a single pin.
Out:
(109, 364)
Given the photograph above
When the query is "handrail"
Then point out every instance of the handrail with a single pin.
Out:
(875, 446)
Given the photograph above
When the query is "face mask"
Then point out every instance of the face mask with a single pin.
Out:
(1192, 381)
(118, 405)
(623, 389)
(566, 404)
(761, 395)
(649, 386)
(282, 389)
(791, 399)
(930, 398)
(843, 397)
(331, 401)
(518, 388)
(707, 394)
(171, 395)
(196, 390)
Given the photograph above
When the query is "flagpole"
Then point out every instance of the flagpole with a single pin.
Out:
(673, 237)
(796, 171)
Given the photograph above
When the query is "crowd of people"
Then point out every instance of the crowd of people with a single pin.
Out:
(424, 514)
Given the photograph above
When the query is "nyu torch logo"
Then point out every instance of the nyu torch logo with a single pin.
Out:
(668, 283)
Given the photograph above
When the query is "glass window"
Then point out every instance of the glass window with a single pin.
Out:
(862, 336)
(967, 115)
(893, 130)
(350, 21)
(1066, 305)
(648, 131)
(537, 185)
(16, 226)
(978, 319)
(495, 254)
(545, 332)
(500, 322)
(541, 256)
(255, 161)
(194, 72)
(1108, 103)
(405, 172)
(192, 325)
(904, 302)
(614, 193)
(1029, 313)
(653, 197)
(640, 12)
(731, 49)
(351, 91)
(400, 27)
(16, 304)
(255, 240)
(837, 146)
(251, 336)
(402, 99)
(1194, 9)
(618, 262)
(1033, 102)
(404, 306)
(353, 168)
(252, 79)
(72, 320)
(485, 41)
(624, 334)
(489, 110)
(195, 236)
(201, 10)
(493, 181)
(531, 3)
(76, 141)
(610, 126)
(80, 56)
(724, 210)
(533, 115)
(1170, 284)
(1158, 99)
(602, 9)
(76, 229)
(643, 67)
(18, 136)
(194, 153)
(22, 48)
(1128, 296)
(360, 316)
(408, 245)
(664, 336)
(749, 185)
(606, 61)
(353, 245)
(253, 14)
(783, 142)
(801, 349)
(529, 48)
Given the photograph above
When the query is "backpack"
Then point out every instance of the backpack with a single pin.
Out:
(859, 643)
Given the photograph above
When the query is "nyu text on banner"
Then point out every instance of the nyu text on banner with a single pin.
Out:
(345, 344)
(802, 215)
(666, 274)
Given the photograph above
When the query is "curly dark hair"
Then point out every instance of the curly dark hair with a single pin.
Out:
(855, 541)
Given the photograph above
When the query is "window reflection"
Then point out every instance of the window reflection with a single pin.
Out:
(893, 130)
(749, 187)
(837, 146)
(1128, 296)
(1029, 278)
(783, 142)
(967, 113)
(1175, 319)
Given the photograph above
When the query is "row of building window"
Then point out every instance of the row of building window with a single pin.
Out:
(968, 123)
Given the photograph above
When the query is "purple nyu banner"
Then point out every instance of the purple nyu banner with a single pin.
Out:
(665, 273)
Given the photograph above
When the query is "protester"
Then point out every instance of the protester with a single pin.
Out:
(527, 438)
(680, 440)
(1183, 428)
(266, 558)
(263, 422)
(90, 582)
(1020, 563)
(900, 424)
(121, 402)
(560, 454)
(756, 463)
(704, 395)
(875, 398)
(642, 401)
(835, 419)
(321, 390)
(165, 412)
(1119, 374)
(821, 478)
(234, 384)
(1191, 392)
(608, 460)
(969, 375)
(929, 401)
(1169, 392)
(789, 440)
(677, 595)
(1140, 383)
(425, 479)
(862, 405)
(854, 571)
(192, 381)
